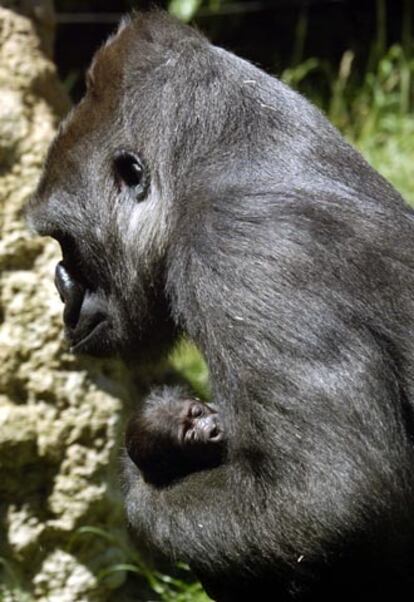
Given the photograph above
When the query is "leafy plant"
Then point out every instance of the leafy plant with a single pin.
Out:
(184, 9)
(167, 587)
(11, 589)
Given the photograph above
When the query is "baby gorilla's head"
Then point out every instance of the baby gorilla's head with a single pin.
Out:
(172, 437)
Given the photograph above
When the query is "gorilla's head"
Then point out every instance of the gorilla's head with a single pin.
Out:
(112, 174)
(157, 187)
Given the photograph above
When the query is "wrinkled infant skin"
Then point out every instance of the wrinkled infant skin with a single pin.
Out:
(192, 193)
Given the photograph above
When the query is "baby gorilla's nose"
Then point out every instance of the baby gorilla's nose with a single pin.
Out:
(207, 429)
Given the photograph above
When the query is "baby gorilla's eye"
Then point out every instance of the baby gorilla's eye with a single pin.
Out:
(130, 173)
(196, 410)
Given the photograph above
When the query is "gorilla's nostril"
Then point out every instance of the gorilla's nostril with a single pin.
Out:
(71, 292)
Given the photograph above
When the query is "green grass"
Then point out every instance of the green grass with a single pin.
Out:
(392, 153)
(178, 588)
(11, 589)
(378, 116)
(375, 114)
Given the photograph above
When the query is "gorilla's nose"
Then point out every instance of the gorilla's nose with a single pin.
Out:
(71, 292)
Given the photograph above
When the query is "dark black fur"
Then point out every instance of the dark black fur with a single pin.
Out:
(257, 231)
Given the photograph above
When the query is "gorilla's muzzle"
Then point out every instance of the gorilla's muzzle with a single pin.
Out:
(84, 314)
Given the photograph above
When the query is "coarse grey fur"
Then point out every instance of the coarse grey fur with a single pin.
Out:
(271, 243)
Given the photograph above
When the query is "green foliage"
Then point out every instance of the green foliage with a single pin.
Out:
(374, 109)
(184, 9)
(390, 149)
(376, 114)
(168, 588)
(10, 586)
(297, 75)
(189, 364)
(386, 92)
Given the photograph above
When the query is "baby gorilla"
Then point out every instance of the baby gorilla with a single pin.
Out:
(174, 435)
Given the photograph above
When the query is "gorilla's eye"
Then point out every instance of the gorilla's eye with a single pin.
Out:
(130, 173)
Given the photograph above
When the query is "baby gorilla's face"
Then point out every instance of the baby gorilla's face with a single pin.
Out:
(171, 437)
(197, 423)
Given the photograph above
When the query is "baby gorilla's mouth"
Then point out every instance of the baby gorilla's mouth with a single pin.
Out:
(84, 315)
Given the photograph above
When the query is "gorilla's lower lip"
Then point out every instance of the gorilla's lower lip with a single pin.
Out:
(90, 339)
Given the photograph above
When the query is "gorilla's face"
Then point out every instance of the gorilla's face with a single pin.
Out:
(142, 168)
(104, 198)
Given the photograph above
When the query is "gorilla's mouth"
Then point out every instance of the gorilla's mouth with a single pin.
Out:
(84, 315)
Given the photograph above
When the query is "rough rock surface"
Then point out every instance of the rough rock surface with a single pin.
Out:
(59, 417)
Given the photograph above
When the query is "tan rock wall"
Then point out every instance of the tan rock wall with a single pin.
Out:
(59, 417)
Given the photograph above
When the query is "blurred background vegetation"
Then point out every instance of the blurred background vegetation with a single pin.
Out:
(353, 59)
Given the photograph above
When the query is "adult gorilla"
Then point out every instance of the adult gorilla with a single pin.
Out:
(192, 193)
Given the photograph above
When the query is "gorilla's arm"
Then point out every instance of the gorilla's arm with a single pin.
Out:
(330, 513)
